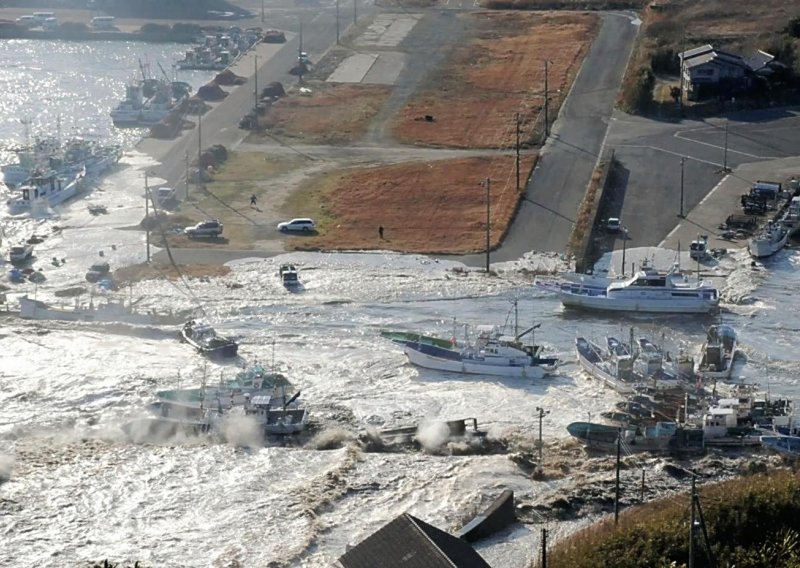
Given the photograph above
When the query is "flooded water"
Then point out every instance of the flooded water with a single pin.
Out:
(73, 487)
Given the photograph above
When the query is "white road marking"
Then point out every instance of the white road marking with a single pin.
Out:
(677, 135)
(678, 154)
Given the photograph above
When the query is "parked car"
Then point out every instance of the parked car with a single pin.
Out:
(207, 229)
(165, 194)
(20, 253)
(613, 225)
(302, 225)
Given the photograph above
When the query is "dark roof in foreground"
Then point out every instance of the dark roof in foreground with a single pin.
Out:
(408, 542)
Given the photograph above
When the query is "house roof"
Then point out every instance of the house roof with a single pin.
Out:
(759, 60)
(708, 54)
(408, 542)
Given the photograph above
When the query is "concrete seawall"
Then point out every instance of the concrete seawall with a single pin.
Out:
(91, 35)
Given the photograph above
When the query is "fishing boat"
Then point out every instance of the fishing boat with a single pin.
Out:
(107, 311)
(135, 110)
(662, 437)
(405, 337)
(788, 446)
(718, 353)
(493, 353)
(43, 192)
(288, 276)
(612, 366)
(769, 240)
(204, 338)
(646, 291)
(252, 381)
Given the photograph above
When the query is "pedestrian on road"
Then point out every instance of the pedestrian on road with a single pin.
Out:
(380, 231)
(252, 201)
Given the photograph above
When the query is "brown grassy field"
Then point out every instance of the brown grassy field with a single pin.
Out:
(432, 207)
(333, 113)
(494, 76)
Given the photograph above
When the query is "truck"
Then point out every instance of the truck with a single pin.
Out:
(209, 229)
(20, 253)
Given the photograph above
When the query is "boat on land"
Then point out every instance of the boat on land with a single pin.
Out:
(136, 110)
(769, 240)
(108, 311)
(648, 290)
(45, 191)
(492, 353)
(718, 353)
(204, 338)
(289, 276)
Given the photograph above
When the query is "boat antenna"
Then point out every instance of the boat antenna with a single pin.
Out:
(516, 316)
(273, 356)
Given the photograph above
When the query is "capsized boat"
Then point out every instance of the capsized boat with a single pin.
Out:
(788, 446)
(405, 337)
(648, 290)
(108, 311)
(493, 353)
(718, 353)
(204, 338)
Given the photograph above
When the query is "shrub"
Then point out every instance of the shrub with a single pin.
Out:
(155, 29)
(73, 26)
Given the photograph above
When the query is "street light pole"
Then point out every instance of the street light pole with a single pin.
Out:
(517, 146)
(262, 11)
(355, 11)
(199, 148)
(147, 215)
(681, 213)
(255, 84)
(337, 22)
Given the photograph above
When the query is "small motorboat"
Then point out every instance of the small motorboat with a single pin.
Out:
(204, 338)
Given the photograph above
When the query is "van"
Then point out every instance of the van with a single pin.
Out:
(103, 22)
(165, 194)
(41, 17)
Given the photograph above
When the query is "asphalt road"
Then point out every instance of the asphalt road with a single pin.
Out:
(648, 195)
(545, 219)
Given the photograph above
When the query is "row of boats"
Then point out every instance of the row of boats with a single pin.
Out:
(49, 171)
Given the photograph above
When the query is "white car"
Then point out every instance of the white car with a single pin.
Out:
(165, 194)
(613, 225)
(303, 225)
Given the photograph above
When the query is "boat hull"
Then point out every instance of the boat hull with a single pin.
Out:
(762, 248)
(603, 303)
(109, 313)
(595, 367)
(463, 365)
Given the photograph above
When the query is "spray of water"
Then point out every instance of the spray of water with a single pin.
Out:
(6, 465)
(243, 431)
(433, 435)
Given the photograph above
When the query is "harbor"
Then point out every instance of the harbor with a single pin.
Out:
(319, 394)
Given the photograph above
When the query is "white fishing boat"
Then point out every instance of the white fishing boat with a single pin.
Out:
(718, 353)
(102, 311)
(493, 353)
(135, 110)
(45, 191)
(791, 217)
(646, 291)
(769, 240)
(612, 366)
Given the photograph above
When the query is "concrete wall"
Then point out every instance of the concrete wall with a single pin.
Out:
(498, 516)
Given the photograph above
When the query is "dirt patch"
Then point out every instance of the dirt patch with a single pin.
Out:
(141, 272)
(473, 101)
(331, 113)
(425, 207)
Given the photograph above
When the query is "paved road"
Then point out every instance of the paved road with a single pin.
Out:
(648, 196)
(552, 196)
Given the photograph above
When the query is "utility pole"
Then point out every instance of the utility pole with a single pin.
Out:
(616, 483)
(642, 495)
(300, 45)
(199, 148)
(542, 413)
(187, 174)
(544, 548)
(488, 184)
(546, 102)
(681, 213)
(337, 21)
(262, 11)
(725, 168)
(517, 152)
(147, 215)
(355, 11)
(691, 527)
(624, 246)
(255, 84)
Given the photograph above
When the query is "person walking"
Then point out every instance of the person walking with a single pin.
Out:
(252, 201)
(380, 231)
